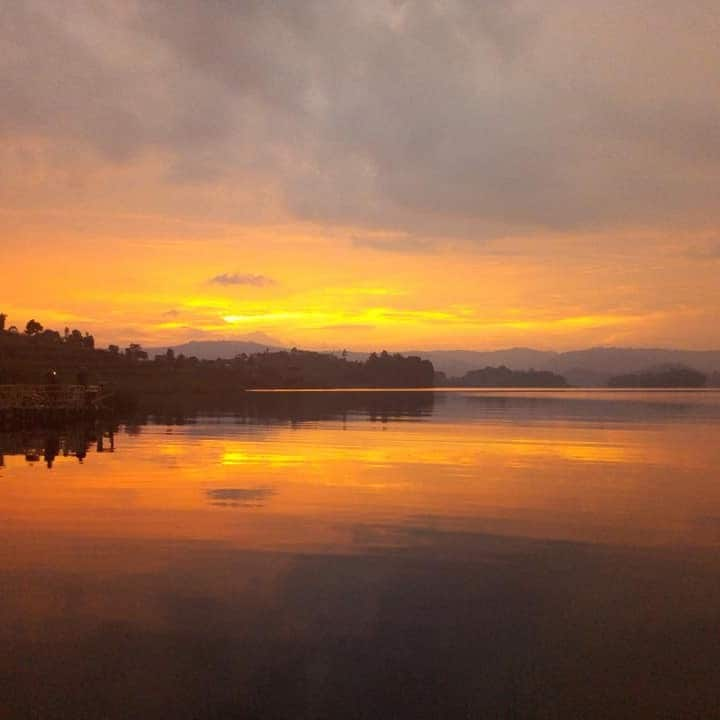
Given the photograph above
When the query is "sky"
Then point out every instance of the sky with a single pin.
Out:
(380, 174)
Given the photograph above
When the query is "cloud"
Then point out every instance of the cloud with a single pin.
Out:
(241, 279)
(171, 313)
(456, 118)
(707, 252)
(345, 327)
(403, 244)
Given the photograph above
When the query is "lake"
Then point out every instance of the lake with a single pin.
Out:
(369, 554)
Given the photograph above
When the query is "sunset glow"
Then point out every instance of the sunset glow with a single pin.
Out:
(157, 193)
(359, 359)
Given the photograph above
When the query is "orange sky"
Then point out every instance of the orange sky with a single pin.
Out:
(465, 176)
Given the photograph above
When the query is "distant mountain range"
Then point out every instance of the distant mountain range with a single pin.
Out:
(213, 349)
(593, 366)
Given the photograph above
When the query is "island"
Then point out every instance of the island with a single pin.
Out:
(504, 377)
(672, 376)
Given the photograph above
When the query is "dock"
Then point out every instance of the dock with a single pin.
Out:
(47, 403)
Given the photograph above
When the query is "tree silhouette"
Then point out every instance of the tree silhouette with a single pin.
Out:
(75, 338)
(33, 327)
(135, 352)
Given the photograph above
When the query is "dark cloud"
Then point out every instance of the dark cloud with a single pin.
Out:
(171, 313)
(461, 117)
(708, 252)
(241, 279)
(396, 244)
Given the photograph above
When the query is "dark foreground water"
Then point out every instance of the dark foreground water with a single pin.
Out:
(368, 555)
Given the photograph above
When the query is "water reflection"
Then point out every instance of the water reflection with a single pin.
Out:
(595, 406)
(48, 444)
(526, 555)
(239, 497)
(299, 407)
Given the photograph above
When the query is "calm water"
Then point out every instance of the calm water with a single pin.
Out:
(463, 554)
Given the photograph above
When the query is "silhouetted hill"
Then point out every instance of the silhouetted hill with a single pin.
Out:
(677, 376)
(590, 367)
(44, 356)
(613, 360)
(214, 349)
(504, 377)
(458, 362)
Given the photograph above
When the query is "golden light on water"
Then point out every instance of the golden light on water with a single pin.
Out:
(278, 486)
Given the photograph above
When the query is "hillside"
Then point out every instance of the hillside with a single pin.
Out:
(214, 349)
(589, 367)
(593, 366)
(40, 355)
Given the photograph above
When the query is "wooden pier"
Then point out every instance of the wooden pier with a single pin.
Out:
(40, 403)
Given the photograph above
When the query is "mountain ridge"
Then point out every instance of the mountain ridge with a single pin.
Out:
(589, 366)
